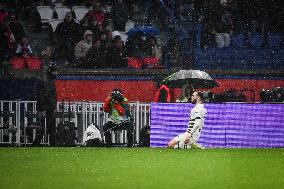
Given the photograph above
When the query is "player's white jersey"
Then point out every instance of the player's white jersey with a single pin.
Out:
(197, 118)
(195, 124)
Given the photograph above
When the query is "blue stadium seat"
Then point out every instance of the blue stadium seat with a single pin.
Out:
(237, 40)
(273, 40)
(256, 40)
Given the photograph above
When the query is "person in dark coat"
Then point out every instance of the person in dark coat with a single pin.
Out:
(95, 27)
(16, 28)
(97, 13)
(134, 45)
(67, 35)
(83, 26)
(116, 58)
(95, 56)
(119, 15)
(7, 42)
(48, 102)
(106, 40)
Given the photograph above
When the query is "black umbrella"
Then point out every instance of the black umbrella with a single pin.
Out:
(195, 78)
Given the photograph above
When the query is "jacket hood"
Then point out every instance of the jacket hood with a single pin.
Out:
(87, 32)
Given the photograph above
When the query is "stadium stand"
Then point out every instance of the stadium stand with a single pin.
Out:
(255, 44)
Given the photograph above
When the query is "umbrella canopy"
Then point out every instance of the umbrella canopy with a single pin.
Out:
(144, 30)
(195, 78)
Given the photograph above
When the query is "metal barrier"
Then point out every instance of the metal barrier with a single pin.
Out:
(92, 112)
(13, 120)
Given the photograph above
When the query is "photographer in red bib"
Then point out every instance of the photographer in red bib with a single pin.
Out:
(120, 116)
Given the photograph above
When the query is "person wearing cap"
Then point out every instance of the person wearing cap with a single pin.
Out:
(120, 116)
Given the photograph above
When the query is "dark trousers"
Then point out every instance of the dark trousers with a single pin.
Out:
(110, 126)
(50, 127)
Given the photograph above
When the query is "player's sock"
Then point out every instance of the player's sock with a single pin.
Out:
(196, 145)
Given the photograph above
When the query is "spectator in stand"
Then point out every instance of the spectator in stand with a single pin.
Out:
(185, 94)
(95, 28)
(205, 16)
(4, 42)
(164, 94)
(116, 57)
(134, 45)
(223, 25)
(7, 42)
(83, 26)
(23, 48)
(71, 3)
(3, 14)
(67, 35)
(16, 28)
(136, 14)
(186, 21)
(106, 40)
(151, 47)
(97, 13)
(83, 46)
(95, 56)
(119, 15)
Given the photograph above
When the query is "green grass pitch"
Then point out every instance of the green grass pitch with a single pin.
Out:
(40, 168)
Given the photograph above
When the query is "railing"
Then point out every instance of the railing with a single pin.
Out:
(86, 113)
(12, 127)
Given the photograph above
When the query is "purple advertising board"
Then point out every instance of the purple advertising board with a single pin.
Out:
(228, 125)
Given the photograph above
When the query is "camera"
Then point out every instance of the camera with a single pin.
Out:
(117, 95)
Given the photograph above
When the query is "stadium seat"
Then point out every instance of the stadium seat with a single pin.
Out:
(237, 40)
(46, 13)
(135, 63)
(79, 12)
(61, 11)
(129, 24)
(34, 63)
(273, 40)
(107, 9)
(256, 40)
(151, 62)
(18, 63)
(54, 23)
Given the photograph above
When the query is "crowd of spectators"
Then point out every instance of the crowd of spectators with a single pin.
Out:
(92, 42)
